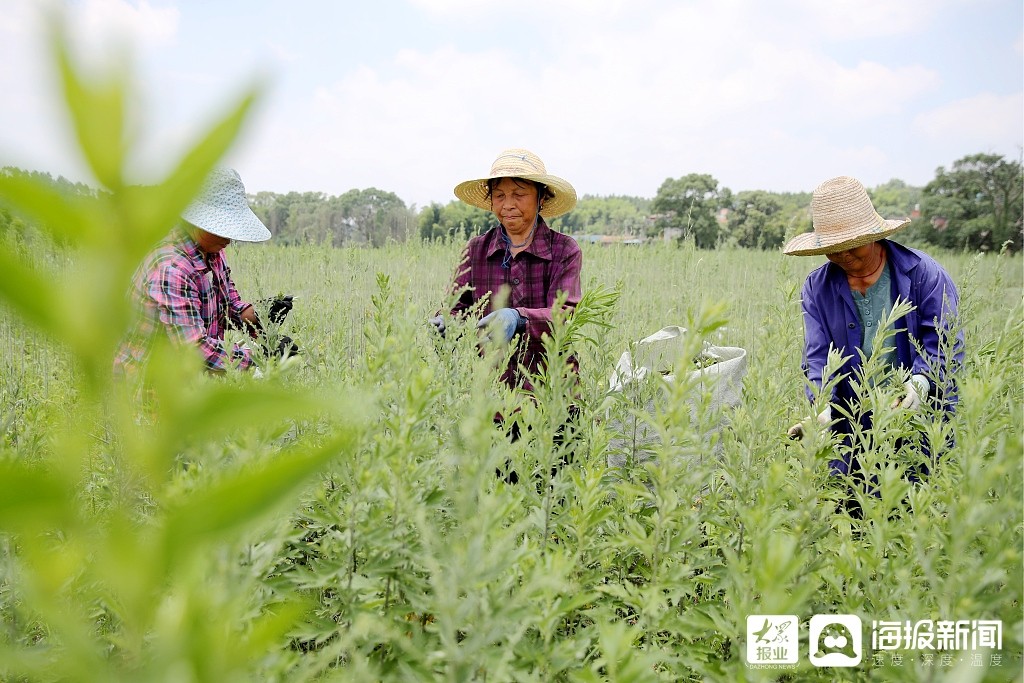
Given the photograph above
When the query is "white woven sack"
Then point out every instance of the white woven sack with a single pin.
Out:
(656, 356)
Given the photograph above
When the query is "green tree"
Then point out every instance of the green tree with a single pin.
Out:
(976, 205)
(460, 220)
(272, 209)
(895, 199)
(429, 222)
(612, 215)
(756, 220)
(454, 220)
(373, 216)
(690, 203)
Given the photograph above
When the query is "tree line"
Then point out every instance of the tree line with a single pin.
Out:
(975, 205)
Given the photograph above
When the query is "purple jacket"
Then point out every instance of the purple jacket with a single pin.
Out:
(830, 320)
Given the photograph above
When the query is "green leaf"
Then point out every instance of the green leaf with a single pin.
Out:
(215, 410)
(32, 498)
(97, 113)
(62, 217)
(239, 500)
(32, 295)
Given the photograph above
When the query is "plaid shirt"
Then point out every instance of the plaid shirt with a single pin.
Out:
(192, 297)
(551, 264)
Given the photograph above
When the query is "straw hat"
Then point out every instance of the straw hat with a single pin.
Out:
(222, 209)
(520, 163)
(843, 218)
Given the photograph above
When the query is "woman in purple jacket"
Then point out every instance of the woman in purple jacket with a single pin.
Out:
(845, 300)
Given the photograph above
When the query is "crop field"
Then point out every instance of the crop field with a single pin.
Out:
(349, 515)
(401, 556)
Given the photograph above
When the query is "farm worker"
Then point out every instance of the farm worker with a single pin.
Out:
(521, 256)
(844, 300)
(184, 285)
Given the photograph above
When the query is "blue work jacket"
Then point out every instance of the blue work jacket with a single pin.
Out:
(831, 321)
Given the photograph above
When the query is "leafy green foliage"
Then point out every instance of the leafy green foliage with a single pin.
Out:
(614, 215)
(368, 217)
(455, 221)
(976, 205)
(690, 203)
(113, 584)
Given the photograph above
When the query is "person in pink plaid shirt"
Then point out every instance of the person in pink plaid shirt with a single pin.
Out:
(184, 285)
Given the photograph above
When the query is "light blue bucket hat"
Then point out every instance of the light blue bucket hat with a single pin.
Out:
(223, 210)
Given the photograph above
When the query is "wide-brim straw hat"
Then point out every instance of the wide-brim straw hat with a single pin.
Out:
(843, 218)
(520, 163)
(222, 209)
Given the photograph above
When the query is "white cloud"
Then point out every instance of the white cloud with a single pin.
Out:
(614, 96)
(544, 10)
(282, 52)
(101, 21)
(848, 20)
(985, 121)
(621, 108)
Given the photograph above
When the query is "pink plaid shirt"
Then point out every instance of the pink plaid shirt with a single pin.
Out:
(551, 264)
(189, 295)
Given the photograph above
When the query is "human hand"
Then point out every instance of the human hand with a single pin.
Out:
(279, 308)
(916, 387)
(797, 431)
(437, 322)
(504, 320)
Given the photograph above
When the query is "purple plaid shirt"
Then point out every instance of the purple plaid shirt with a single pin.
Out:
(191, 297)
(551, 264)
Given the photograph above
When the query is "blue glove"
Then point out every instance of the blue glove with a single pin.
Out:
(504, 321)
(437, 322)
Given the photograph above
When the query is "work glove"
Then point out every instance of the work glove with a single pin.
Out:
(279, 308)
(797, 431)
(916, 389)
(285, 348)
(503, 323)
(437, 322)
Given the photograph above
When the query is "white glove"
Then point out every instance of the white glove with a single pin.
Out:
(917, 387)
(797, 430)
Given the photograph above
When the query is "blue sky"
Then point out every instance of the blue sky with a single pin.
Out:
(414, 96)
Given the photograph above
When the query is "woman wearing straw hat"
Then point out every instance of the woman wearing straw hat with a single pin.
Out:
(184, 286)
(845, 299)
(521, 256)
(521, 264)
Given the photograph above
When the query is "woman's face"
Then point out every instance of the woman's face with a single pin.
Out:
(209, 242)
(860, 260)
(514, 202)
